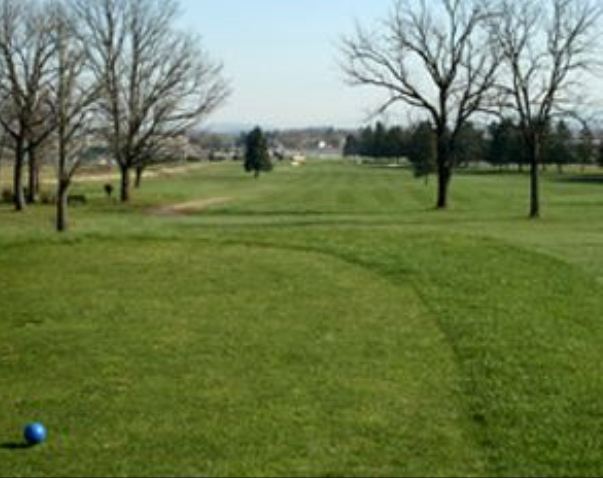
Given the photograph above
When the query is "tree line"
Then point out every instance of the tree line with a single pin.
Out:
(453, 60)
(79, 72)
(500, 144)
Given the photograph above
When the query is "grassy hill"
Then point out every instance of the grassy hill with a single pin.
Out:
(319, 321)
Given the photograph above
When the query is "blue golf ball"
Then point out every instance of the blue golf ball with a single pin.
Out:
(35, 434)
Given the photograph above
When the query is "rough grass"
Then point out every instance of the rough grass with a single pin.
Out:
(324, 322)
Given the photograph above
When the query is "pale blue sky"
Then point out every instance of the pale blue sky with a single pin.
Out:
(281, 58)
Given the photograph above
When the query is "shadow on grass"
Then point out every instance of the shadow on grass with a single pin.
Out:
(15, 446)
(586, 179)
(283, 213)
(490, 172)
(388, 166)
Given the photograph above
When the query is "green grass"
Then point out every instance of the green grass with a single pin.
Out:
(325, 321)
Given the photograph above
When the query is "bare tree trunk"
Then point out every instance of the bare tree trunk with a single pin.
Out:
(18, 196)
(534, 178)
(62, 206)
(444, 171)
(37, 179)
(32, 187)
(2, 146)
(443, 186)
(138, 179)
(125, 184)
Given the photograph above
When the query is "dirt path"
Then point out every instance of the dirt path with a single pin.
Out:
(190, 207)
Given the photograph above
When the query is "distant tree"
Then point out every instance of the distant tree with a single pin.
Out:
(422, 150)
(558, 148)
(516, 150)
(470, 146)
(379, 146)
(600, 155)
(366, 142)
(499, 141)
(352, 146)
(397, 142)
(378, 142)
(545, 147)
(585, 148)
(257, 158)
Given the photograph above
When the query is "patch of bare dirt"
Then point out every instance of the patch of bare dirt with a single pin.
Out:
(190, 207)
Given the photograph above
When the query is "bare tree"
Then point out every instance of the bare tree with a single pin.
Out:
(70, 100)
(433, 55)
(546, 46)
(42, 127)
(25, 54)
(156, 80)
(160, 149)
(2, 151)
(6, 146)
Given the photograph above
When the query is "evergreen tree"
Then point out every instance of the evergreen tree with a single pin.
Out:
(505, 146)
(469, 147)
(366, 142)
(585, 148)
(497, 146)
(379, 142)
(257, 158)
(379, 147)
(518, 150)
(558, 146)
(422, 150)
(352, 146)
(396, 142)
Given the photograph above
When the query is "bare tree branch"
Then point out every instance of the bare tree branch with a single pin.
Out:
(25, 54)
(547, 47)
(437, 57)
(156, 81)
(71, 97)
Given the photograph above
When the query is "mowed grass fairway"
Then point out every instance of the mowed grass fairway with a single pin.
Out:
(320, 321)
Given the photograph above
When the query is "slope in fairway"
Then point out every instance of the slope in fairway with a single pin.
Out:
(324, 321)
